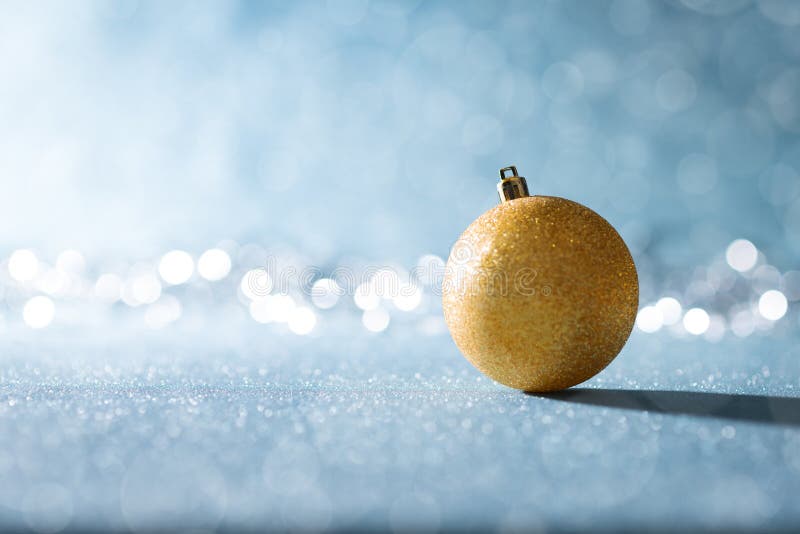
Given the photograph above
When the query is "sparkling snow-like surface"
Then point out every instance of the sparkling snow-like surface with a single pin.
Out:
(392, 431)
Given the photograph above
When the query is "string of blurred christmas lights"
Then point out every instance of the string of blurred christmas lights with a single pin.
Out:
(757, 295)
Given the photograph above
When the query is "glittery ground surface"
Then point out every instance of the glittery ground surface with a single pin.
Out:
(393, 432)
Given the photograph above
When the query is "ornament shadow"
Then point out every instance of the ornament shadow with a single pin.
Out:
(751, 408)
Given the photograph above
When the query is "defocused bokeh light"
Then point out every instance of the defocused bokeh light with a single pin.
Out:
(214, 264)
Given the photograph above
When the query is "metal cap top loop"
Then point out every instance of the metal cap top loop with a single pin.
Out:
(511, 187)
(509, 168)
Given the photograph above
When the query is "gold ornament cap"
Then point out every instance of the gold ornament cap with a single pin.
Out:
(511, 187)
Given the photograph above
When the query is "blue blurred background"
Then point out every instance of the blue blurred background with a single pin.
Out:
(376, 128)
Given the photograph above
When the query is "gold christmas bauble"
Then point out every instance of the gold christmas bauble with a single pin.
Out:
(540, 293)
